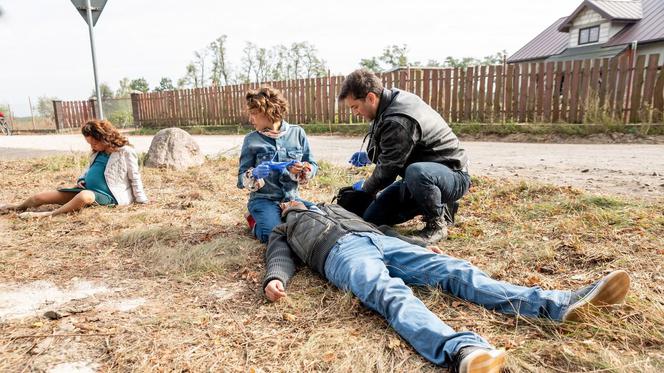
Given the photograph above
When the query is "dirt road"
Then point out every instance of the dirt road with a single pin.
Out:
(624, 169)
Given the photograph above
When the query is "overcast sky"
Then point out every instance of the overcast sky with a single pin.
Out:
(45, 50)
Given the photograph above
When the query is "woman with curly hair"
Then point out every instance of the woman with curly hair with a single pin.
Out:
(274, 160)
(112, 177)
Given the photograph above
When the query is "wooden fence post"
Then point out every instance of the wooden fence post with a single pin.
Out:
(135, 109)
(59, 115)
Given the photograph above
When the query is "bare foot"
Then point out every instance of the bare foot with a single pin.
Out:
(31, 215)
(6, 208)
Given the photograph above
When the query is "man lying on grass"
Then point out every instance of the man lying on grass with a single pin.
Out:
(357, 256)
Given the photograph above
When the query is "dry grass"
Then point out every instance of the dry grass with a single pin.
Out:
(189, 255)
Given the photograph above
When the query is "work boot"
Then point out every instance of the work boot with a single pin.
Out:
(434, 230)
(449, 210)
(611, 289)
(472, 359)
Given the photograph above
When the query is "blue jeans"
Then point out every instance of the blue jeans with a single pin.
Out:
(267, 214)
(424, 189)
(377, 268)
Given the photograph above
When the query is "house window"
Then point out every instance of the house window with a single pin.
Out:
(589, 35)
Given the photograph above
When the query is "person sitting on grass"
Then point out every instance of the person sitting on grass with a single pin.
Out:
(376, 266)
(274, 161)
(112, 177)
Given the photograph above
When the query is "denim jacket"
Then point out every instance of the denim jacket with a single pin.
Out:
(291, 145)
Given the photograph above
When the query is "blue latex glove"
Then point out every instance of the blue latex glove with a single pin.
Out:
(358, 185)
(360, 159)
(261, 171)
(279, 166)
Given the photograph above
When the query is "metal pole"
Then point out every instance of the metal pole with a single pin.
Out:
(88, 9)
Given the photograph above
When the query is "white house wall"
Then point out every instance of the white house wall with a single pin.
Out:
(587, 18)
(652, 48)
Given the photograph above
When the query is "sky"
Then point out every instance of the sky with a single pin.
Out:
(45, 47)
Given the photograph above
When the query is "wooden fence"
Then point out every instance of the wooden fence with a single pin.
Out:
(72, 114)
(618, 90)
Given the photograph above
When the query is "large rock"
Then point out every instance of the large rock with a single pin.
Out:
(174, 148)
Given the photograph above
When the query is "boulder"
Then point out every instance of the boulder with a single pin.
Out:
(174, 148)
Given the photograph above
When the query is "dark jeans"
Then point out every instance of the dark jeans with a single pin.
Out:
(424, 189)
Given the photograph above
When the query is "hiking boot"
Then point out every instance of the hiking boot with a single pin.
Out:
(472, 359)
(611, 289)
(449, 210)
(434, 230)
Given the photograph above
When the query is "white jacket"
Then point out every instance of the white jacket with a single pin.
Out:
(122, 176)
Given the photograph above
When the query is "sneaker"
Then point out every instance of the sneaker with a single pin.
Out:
(31, 215)
(434, 230)
(611, 289)
(474, 359)
(250, 221)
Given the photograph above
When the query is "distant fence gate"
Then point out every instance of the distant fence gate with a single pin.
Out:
(619, 90)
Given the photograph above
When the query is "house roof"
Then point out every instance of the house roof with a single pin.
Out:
(648, 29)
(587, 52)
(549, 42)
(552, 41)
(611, 10)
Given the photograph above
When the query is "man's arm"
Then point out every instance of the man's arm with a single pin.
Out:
(280, 265)
(396, 145)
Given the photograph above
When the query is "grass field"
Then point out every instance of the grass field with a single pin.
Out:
(175, 285)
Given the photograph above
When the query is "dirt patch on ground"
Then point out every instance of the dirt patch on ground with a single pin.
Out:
(600, 138)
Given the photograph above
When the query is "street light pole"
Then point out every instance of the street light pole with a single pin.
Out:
(88, 8)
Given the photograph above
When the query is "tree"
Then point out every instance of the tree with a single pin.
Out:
(371, 64)
(125, 88)
(199, 61)
(220, 67)
(45, 106)
(165, 84)
(139, 84)
(263, 65)
(106, 92)
(248, 62)
(395, 56)
(313, 65)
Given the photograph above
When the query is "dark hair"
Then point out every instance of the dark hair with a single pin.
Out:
(268, 101)
(103, 130)
(359, 83)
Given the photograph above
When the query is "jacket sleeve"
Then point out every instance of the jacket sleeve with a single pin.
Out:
(389, 231)
(396, 144)
(246, 163)
(280, 264)
(135, 177)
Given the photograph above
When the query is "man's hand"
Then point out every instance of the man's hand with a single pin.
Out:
(81, 184)
(360, 159)
(261, 171)
(435, 249)
(275, 290)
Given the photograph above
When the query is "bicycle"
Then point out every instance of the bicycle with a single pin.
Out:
(5, 127)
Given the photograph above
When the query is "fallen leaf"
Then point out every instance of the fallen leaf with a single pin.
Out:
(329, 357)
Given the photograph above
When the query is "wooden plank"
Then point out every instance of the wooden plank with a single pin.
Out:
(539, 103)
(658, 99)
(499, 95)
(467, 95)
(574, 91)
(474, 97)
(557, 91)
(435, 89)
(612, 76)
(548, 83)
(457, 93)
(447, 87)
(481, 94)
(523, 93)
(603, 83)
(403, 77)
(637, 90)
(623, 79)
(491, 73)
(649, 86)
(595, 76)
(532, 93)
(508, 112)
(567, 84)
(584, 88)
(426, 86)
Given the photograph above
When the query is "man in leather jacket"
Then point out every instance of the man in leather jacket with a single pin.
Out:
(376, 265)
(409, 139)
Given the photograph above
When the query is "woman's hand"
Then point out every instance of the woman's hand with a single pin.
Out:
(275, 290)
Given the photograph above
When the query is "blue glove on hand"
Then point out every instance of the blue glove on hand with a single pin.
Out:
(261, 171)
(360, 159)
(279, 166)
(358, 185)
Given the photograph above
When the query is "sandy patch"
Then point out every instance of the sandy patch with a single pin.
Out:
(76, 367)
(123, 305)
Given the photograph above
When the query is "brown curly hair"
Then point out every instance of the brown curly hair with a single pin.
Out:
(103, 131)
(268, 101)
